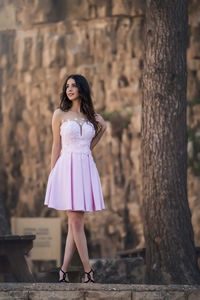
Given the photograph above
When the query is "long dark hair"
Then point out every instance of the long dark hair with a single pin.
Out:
(86, 106)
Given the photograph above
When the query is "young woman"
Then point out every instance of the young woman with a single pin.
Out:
(74, 184)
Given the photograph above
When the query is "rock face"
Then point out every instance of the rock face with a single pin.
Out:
(40, 43)
(119, 270)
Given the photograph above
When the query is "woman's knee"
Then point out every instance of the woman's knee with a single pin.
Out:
(75, 220)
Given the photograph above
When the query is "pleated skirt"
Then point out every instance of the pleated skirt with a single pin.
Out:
(74, 184)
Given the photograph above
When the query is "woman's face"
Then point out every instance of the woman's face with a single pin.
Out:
(72, 89)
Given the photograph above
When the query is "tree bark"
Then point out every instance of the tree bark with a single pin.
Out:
(170, 249)
(4, 225)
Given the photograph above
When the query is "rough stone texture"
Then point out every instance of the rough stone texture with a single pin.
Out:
(16, 295)
(41, 42)
(159, 295)
(107, 295)
(114, 270)
(55, 295)
(193, 95)
(24, 291)
(193, 295)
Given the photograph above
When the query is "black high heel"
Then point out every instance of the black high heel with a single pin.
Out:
(89, 276)
(64, 276)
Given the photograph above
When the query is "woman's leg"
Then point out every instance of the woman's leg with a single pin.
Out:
(70, 248)
(76, 219)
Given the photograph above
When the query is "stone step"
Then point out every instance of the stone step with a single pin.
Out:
(96, 291)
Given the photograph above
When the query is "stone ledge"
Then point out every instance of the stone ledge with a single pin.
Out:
(93, 286)
(81, 291)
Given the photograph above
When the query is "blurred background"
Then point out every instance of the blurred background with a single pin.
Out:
(41, 42)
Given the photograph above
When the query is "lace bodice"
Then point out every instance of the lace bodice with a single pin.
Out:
(76, 135)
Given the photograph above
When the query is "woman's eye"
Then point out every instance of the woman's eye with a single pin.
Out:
(73, 85)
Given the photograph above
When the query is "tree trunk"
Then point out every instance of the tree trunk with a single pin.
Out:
(170, 250)
(4, 225)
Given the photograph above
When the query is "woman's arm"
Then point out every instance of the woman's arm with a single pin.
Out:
(96, 138)
(56, 147)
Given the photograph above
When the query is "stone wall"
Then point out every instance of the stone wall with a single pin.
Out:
(40, 43)
(26, 291)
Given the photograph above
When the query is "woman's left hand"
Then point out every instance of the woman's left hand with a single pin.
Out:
(101, 121)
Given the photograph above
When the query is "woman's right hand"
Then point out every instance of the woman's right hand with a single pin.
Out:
(56, 147)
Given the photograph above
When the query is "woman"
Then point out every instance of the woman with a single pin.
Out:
(74, 184)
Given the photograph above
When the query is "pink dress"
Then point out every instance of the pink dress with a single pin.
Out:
(74, 183)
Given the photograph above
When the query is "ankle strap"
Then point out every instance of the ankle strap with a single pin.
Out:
(89, 276)
(89, 272)
(63, 271)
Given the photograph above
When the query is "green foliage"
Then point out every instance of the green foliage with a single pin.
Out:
(118, 120)
(192, 102)
(193, 6)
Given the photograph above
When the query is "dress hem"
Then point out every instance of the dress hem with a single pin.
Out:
(75, 209)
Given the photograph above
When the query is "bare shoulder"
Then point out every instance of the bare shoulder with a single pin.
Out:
(57, 114)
